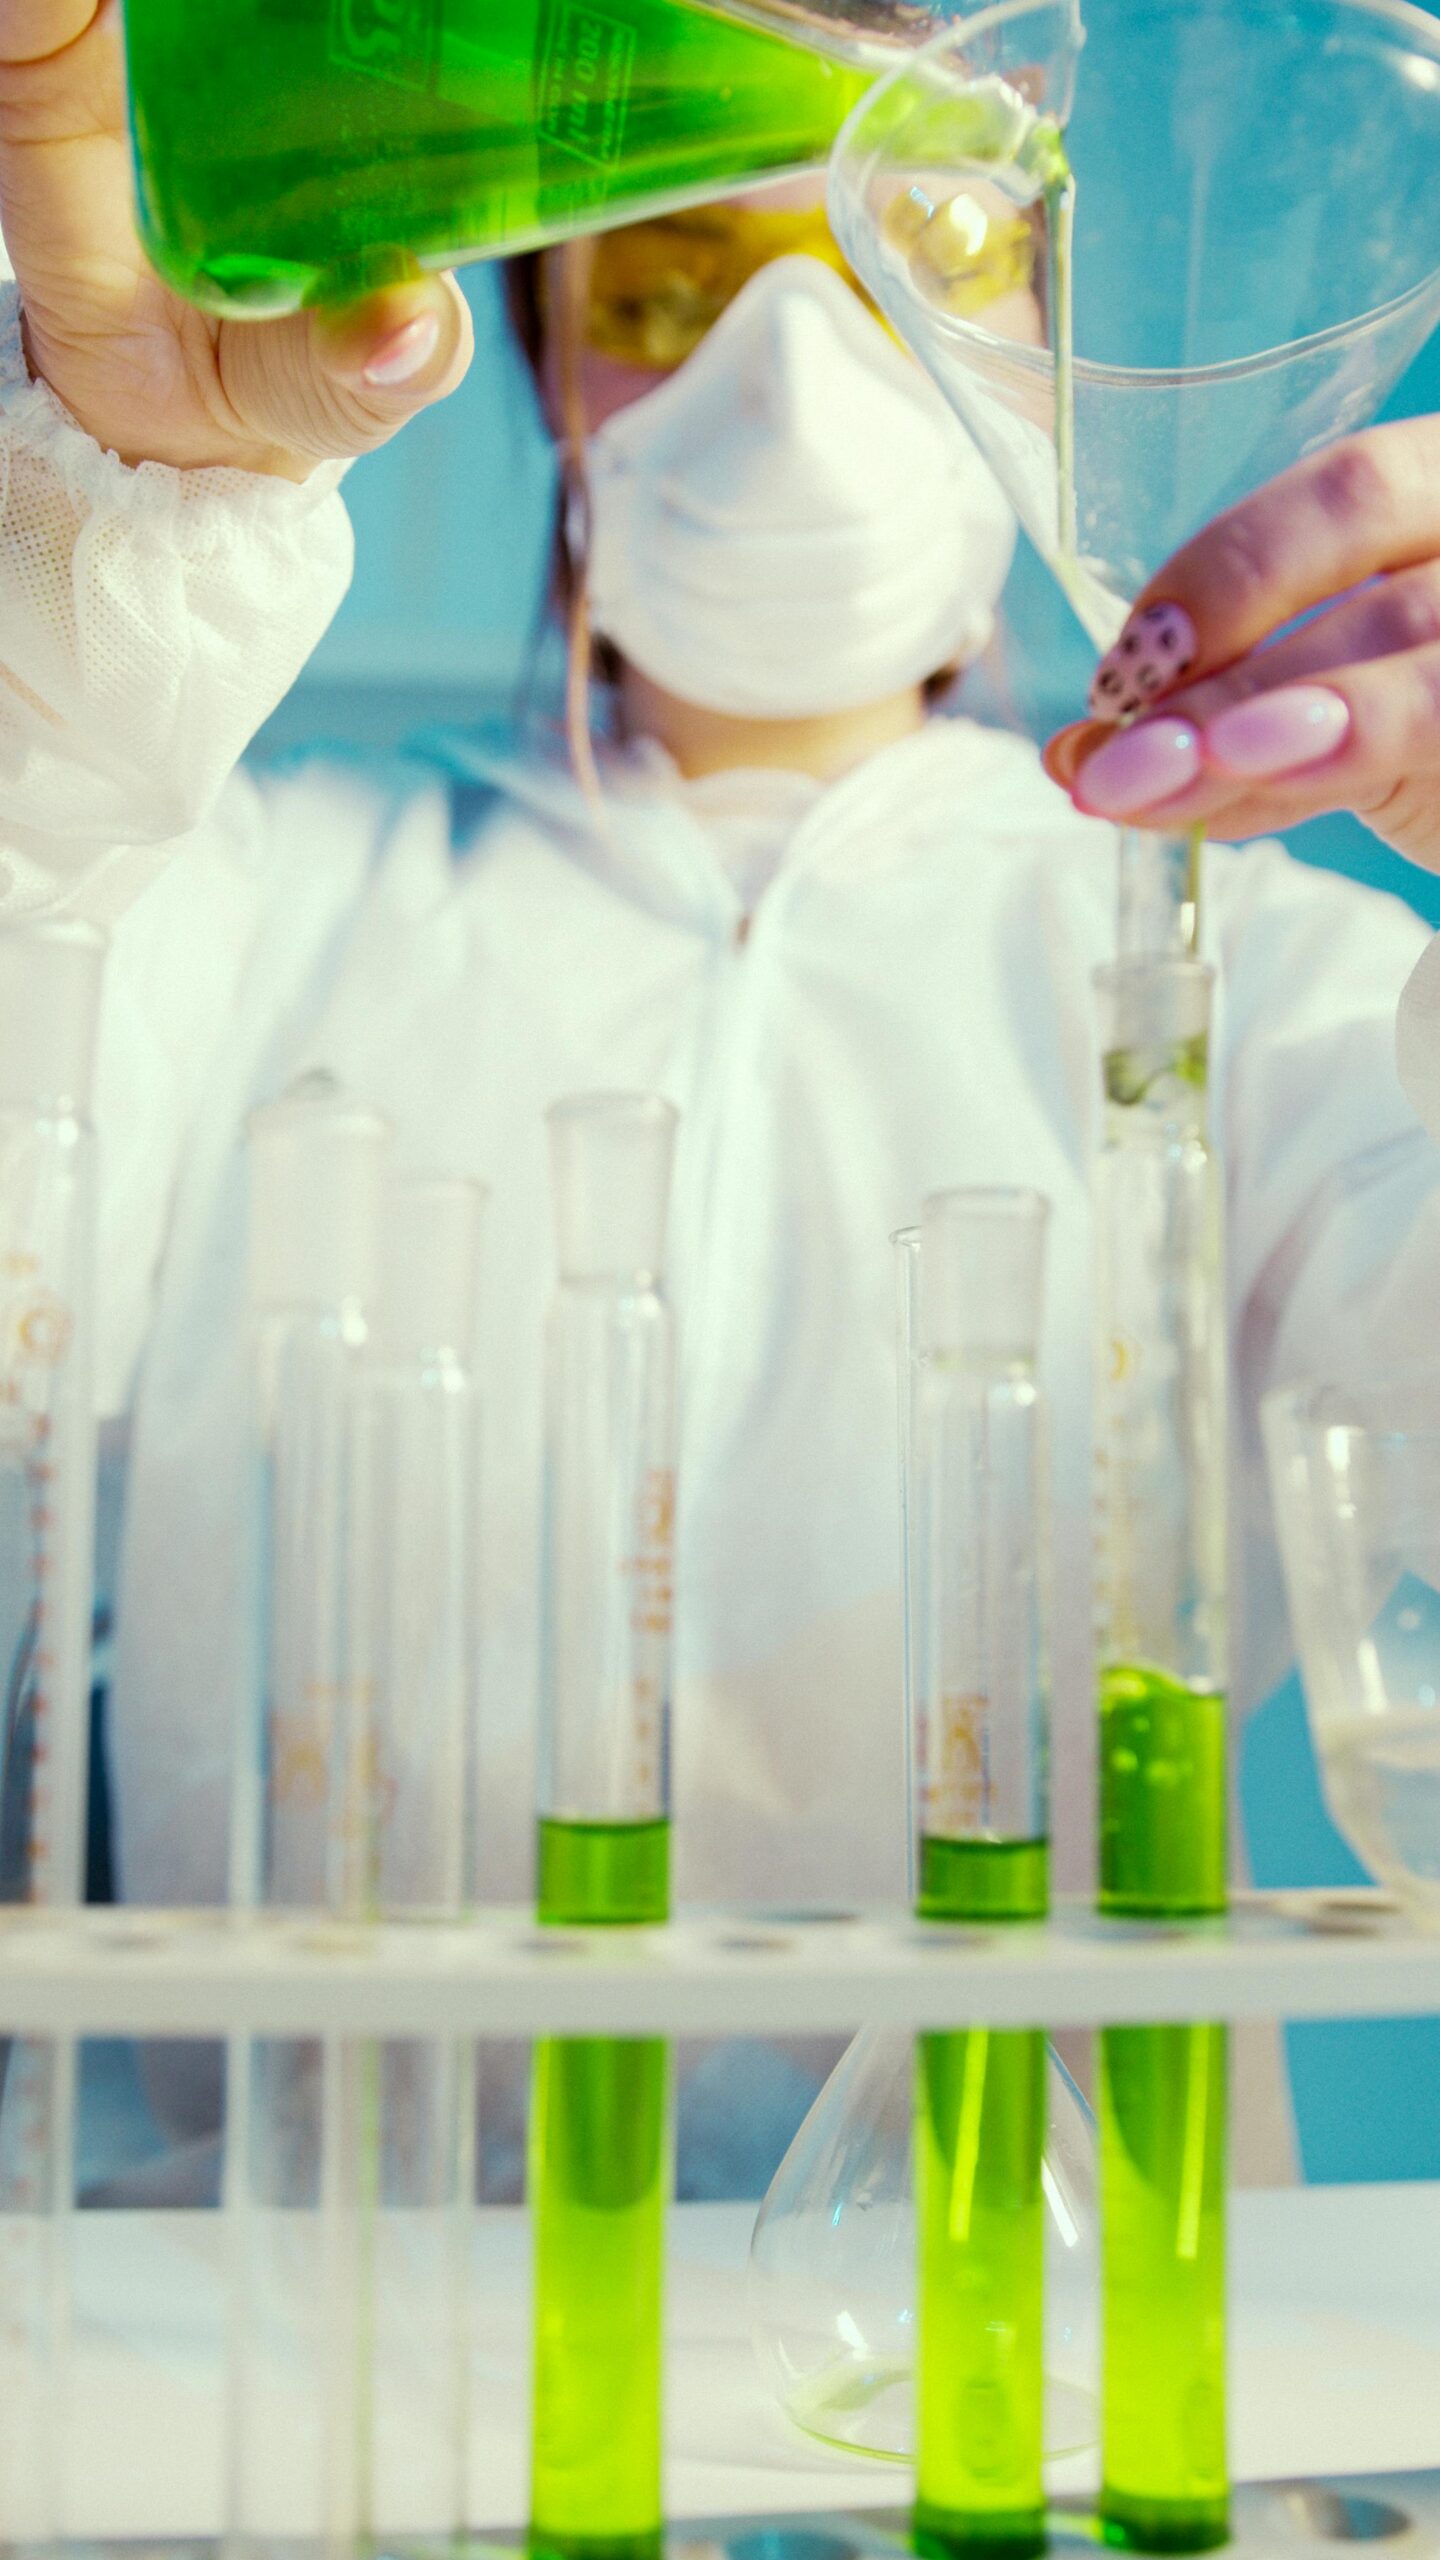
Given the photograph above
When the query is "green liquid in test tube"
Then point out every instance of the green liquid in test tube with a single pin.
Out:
(1162, 1744)
(599, 2152)
(600, 2110)
(975, 1583)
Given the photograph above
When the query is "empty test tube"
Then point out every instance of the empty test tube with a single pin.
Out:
(50, 977)
(316, 1163)
(402, 1839)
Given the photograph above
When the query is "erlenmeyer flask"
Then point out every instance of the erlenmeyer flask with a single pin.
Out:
(287, 149)
(832, 2262)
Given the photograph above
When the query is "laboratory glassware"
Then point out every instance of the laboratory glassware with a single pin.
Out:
(402, 1841)
(1247, 260)
(599, 2140)
(831, 2285)
(1160, 1492)
(1160, 1448)
(321, 147)
(906, 1243)
(834, 2259)
(316, 1162)
(50, 975)
(1355, 1476)
(978, 1522)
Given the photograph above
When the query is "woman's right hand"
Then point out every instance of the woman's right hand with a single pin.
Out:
(146, 374)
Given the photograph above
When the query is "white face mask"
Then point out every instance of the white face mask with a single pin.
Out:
(794, 523)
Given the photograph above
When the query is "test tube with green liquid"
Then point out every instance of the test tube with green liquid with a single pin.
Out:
(600, 2109)
(976, 1578)
(1161, 1587)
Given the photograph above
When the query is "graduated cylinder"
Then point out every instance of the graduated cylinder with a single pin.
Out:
(1161, 1488)
(599, 2158)
(976, 1583)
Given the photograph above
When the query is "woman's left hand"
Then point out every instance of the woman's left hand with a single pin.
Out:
(1249, 732)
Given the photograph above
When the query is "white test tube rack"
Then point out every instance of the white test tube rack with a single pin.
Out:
(1296, 1955)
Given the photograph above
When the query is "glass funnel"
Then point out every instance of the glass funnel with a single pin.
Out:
(832, 2262)
(1356, 1483)
(1255, 253)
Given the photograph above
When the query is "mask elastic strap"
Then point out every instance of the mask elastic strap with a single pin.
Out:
(567, 278)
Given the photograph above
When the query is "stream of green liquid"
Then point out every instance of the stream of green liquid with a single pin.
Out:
(599, 2159)
(979, 2143)
(292, 150)
(1163, 2131)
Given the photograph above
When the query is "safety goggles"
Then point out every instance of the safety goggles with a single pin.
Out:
(656, 287)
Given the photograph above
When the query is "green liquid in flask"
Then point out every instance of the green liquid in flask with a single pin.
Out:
(599, 2183)
(292, 150)
(979, 2143)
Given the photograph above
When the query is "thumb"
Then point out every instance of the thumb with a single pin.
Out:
(325, 385)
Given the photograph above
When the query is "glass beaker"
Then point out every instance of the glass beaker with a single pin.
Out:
(313, 148)
(1355, 1476)
(50, 976)
(600, 2114)
(1247, 260)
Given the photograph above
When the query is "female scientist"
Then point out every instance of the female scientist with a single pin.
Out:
(851, 939)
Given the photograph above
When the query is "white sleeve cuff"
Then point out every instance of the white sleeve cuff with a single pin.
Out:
(150, 620)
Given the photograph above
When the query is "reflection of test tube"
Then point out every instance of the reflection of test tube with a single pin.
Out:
(402, 1841)
(316, 1167)
(977, 1582)
(49, 998)
(599, 2123)
(1160, 1453)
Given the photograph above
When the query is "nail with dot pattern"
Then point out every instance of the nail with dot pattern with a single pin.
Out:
(1155, 650)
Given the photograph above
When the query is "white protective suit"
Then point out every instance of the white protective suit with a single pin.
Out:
(854, 993)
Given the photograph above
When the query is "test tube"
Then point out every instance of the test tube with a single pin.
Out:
(403, 1843)
(316, 1163)
(1161, 1592)
(599, 2160)
(977, 1582)
(50, 976)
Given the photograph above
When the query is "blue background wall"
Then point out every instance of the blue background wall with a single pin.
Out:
(443, 621)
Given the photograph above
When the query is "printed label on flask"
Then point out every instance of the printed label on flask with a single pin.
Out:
(396, 40)
(585, 83)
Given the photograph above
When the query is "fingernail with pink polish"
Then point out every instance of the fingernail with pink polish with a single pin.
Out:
(1141, 769)
(1280, 732)
(399, 358)
(1156, 648)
